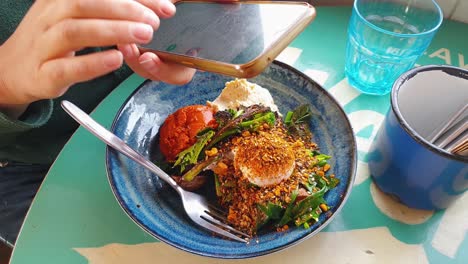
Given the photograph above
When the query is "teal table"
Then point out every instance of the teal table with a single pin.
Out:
(75, 219)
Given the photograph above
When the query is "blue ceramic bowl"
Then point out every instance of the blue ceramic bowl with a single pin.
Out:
(157, 208)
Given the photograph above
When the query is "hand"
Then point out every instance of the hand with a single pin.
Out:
(148, 64)
(38, 61)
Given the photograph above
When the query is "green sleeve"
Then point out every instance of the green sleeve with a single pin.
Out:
(36, 115)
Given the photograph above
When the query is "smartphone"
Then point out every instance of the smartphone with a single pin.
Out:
(238, 39)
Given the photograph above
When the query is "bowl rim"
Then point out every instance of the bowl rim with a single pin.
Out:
(451, 70)
(328, 220)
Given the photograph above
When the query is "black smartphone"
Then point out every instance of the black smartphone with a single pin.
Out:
(238, 38)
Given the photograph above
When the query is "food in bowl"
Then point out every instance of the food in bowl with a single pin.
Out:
(266, 170)
(240, 92)
(180, 129)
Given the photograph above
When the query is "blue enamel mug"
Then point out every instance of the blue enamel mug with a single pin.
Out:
(404, 161)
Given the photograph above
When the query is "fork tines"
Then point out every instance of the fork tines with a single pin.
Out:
(217, 218)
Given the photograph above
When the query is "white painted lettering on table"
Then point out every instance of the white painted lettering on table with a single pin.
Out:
(343, 92)
(289, 55)
(445, 57)
(354, 246)
(453, 228)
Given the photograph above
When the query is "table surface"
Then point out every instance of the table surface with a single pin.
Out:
(75, 218)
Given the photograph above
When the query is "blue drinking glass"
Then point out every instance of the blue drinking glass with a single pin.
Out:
(385, 38)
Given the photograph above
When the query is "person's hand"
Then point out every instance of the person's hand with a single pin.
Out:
(148, 64)
(38, 61)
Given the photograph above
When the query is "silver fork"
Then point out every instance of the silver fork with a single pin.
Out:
(196, 206)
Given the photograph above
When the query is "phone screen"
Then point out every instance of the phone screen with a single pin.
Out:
(233, 33)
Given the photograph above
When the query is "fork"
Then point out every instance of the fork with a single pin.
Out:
(196, 206)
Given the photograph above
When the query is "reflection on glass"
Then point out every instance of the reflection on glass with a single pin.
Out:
(232, 33)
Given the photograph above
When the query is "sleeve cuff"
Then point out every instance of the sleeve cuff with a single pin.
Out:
(36, 115)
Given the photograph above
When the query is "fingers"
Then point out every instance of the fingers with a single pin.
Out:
(75, 24)
(167, 72)
(131, 55)
(151, 67)
(127, 10)
(63, 72)
(163, 8)
(74, 34)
